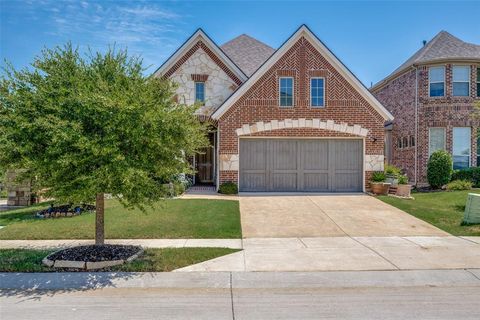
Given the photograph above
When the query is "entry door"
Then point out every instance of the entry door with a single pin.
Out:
(307, 165)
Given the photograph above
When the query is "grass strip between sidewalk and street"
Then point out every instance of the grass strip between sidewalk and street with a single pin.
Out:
(152, 260)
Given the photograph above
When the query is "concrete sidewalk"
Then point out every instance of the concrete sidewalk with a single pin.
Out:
(146, 243)
(348, 254)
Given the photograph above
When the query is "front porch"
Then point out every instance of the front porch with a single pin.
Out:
(204, 164)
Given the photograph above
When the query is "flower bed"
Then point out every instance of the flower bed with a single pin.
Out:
(65, 211)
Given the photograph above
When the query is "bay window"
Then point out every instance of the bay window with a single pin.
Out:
(436, 81)
(461, 81)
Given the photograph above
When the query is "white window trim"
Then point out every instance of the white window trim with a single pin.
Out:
(311, 97)
(280, 89)
(444, 81)
(204, 91)
(444, 138)
(469, 77)
(470, 153)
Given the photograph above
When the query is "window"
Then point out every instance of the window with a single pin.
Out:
(436, 81)
(317, 92)
(461, 147)
(436, 140)
(461, 81)
(405, 142)
(286, 92)
(200, 92)
(478, 82)
(399, 143)
(412, 141)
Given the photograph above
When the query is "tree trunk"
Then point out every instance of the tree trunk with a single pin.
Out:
(99, 219)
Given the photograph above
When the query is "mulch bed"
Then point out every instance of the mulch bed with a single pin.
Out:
(96, 253)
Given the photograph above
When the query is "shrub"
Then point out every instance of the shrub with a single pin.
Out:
(378, 176)
(228, 188)
(439, 169)
(470, 174)
(392, 171)
(178, 188)
(459, 185)
(402, 179)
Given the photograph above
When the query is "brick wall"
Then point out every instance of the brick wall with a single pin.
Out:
(398, 96)
(343, 104)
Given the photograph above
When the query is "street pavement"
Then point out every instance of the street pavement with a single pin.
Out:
(419, 294)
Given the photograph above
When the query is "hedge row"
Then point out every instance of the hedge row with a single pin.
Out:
(470, 174)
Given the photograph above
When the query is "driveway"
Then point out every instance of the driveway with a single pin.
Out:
(289, 216)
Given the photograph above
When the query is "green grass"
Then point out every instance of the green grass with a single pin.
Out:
(153, 260)
(442, 209)
(173, 218)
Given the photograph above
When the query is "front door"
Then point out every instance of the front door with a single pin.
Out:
(204, 166)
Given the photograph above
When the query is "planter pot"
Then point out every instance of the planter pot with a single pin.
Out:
(380, 188)
(403, 190)
(392, 180)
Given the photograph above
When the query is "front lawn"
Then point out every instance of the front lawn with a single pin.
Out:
(173, 218)
(153, 260)
(441, 209)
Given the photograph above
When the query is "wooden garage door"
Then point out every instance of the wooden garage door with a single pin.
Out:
(321, 165)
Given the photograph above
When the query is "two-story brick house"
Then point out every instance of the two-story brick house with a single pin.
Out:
(291, 119)
(432, 97)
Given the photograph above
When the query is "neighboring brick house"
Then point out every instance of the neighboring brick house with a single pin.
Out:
(432, 97)
(291, 119)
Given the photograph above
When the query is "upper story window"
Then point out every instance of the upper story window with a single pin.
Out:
(461, 81)
(436, 81)
(286, 91)
(317, 92)
(478, 82)
(200, 92)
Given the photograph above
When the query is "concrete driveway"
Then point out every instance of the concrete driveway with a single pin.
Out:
(287, 216)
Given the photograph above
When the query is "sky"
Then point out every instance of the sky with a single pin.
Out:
(371, 38)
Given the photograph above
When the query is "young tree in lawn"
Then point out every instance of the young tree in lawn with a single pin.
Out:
(89, 125)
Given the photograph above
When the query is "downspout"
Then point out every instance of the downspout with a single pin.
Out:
(416, 124)
(217, 160)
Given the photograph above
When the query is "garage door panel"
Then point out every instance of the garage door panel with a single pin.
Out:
(315, 181)
(253, 181)
(315, 154)
(253, 155)
(284, 155)
(346, 182)
(285, 181)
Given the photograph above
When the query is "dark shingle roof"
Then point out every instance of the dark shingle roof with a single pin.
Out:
(443, 46)
(247, 53)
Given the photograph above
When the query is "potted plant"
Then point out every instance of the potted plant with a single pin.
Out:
(391, 174)
(378, 184)
(403, 188)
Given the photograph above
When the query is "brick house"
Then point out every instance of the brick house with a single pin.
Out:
(291, 119)
(432, 97)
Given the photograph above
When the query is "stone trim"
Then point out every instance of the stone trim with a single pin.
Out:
(260, 126)
(374, 162)
(229, 162)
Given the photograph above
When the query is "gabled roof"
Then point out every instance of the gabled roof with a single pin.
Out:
(442, 47)
(304, 31)
(247, 53)
(200, 35)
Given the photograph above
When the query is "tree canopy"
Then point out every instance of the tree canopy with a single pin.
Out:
(89, 124)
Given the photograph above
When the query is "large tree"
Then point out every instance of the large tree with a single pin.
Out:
(86, 125)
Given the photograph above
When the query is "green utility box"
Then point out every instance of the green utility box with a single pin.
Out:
(472, 209)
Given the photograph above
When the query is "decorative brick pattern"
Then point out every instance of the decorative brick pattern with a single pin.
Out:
(199, 77)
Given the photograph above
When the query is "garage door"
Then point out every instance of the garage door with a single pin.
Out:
(320, 165)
